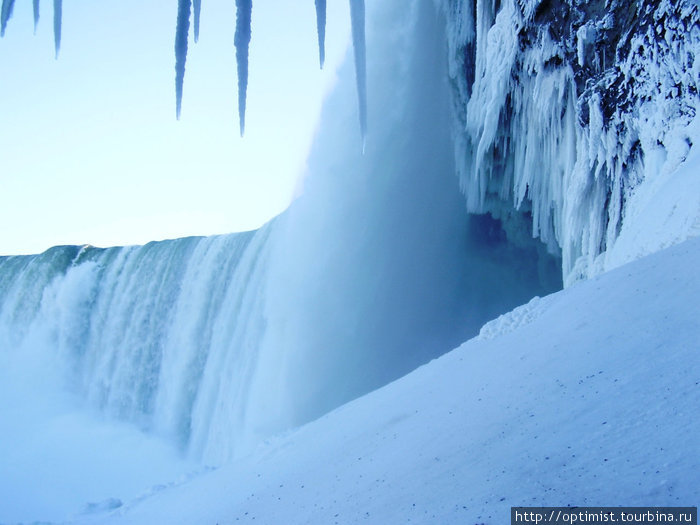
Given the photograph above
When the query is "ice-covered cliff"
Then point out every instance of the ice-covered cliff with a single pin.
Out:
(374, 270)
(567, 111)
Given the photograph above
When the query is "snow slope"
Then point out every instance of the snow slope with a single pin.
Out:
(585, 397)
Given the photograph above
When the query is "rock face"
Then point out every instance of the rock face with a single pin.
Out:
(560, 104)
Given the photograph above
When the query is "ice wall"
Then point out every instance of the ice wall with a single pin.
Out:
(563, 110)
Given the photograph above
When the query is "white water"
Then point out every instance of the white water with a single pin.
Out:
(215, 343)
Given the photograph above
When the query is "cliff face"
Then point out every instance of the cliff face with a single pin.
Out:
(564, 110)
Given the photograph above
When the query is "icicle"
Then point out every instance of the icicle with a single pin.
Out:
(321, 26)
(35, 6)
(57, 15)
(357, 18)
(5, 14)
(197, 5)
(182, 29)
(244, 9)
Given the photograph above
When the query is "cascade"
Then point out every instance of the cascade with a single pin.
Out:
(215, 343)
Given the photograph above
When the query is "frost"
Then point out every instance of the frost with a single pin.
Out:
(357, 17)
(181, 33)
(242, 42)
(321, 27)
(5, 14)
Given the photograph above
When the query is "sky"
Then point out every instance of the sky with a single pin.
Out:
(91, 151)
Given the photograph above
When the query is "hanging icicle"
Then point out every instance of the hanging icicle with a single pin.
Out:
(357, 19)
(5, 14)
(244, 9)
(182, 29)
(35, 7)
(321, 26)
(242, 43)
(57, 16)
(197, 6)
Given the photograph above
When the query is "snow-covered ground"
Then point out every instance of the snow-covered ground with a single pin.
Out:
(589, 396)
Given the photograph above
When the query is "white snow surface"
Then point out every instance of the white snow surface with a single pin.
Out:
(591, 399)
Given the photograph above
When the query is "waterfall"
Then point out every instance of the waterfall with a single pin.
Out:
(147, 333)
(214, 343)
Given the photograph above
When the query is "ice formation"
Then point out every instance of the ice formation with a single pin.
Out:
(197, 7)
(357, 18)
(242, 41)
(560, 107)
(182, 30)
(5, 14)
(321, 28)
(35, 12)
(57, 18)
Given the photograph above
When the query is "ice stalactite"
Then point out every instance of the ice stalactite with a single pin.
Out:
(321, 26)
(182, 30)
(244, 10)
(197, 7)
(35, 8)
(5, 14)
(57, 17)
(357, 19)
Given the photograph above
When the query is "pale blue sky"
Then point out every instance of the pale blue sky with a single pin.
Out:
(90, 151)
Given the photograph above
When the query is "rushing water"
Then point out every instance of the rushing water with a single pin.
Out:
(214, 343)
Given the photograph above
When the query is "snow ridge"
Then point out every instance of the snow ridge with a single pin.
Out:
(513, 320)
